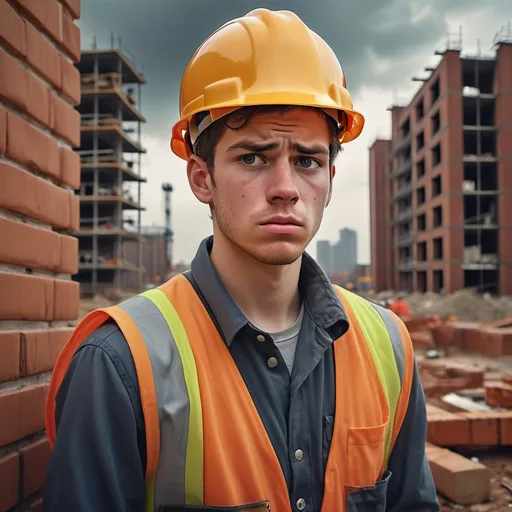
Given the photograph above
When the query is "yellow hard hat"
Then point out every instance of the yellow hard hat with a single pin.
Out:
(263, 58)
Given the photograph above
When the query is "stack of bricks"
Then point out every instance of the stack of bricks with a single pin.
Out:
(39, 302)
(493, 339)
(493, 428)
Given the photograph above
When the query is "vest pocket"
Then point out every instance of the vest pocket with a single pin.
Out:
(371, 499)
(365, 455)
(261, 506)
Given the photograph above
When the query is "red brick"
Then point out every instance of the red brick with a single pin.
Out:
(9, 355)
(46, 14)
(70, 167)
(17, 243)
(446, 428)
(74, 208)
(496, 342)
(70, 81)
(499, 324)
(443, 335)
(498, 394)
(67, 300)
(66, 121)
(459, 479)
(25, 193)
(505, 427)
(9, 481)
(13, 85)
(12, 29)
(34, 460)
(22, 412)
(39, 349)
(3, 130)
(483, 428)
(420, 323)
(31, 147)
(43, 56)
(38, 100)
(68, 255)
(70, 38)
(73, 6)
(422, 340)
(26, 297)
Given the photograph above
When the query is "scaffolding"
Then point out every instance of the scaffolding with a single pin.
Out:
(110, 160)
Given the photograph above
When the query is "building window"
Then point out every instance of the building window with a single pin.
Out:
(436, 155)
(419, 110)
(420, 169)
(420, 141)
(438, 248)
(435, 91)
(421, 281)
(438, 216)
(421, 222)
(421, 251)
(420, 196)
(436, 122)
(436, 186)
(438, 281)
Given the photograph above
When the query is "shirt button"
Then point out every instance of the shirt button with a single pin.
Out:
(260, 338)
(301, 504)
(272, 362)
(299, 454)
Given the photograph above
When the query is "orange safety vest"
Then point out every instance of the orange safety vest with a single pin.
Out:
(206, 444)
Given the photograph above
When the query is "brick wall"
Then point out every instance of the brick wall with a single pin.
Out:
(39, 303)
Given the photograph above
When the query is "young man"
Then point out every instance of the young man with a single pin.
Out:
(249, 383)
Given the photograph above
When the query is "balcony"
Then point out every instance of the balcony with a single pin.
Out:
(403, 216)
(406, 264)
(402, 144)
(403, 192)
(401, 169)
(404, 239)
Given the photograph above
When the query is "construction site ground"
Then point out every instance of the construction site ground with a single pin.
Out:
(463, 347)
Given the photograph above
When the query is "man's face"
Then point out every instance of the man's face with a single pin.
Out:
(271, 183)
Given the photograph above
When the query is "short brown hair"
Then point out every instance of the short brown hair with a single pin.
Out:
(205, 145)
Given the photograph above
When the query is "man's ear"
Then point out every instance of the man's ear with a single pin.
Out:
(199, 179)
(331, 177)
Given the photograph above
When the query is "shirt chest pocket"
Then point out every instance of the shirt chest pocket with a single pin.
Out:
(365, 488)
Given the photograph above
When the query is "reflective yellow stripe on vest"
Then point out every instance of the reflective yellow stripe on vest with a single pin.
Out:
(380, 345)
(194, 451)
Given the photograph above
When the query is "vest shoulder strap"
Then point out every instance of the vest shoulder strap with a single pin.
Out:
(391, 348)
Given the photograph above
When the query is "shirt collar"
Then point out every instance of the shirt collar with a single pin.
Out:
(319, 298)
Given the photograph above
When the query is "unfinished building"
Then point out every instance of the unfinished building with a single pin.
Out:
(449, 179)
(111, 179)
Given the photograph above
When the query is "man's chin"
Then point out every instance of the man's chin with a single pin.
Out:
(279, 253)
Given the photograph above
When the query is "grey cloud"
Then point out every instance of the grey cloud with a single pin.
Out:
(163, 35)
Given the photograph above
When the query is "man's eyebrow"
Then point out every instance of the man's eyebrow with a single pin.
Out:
(255, 147)
(311, 150)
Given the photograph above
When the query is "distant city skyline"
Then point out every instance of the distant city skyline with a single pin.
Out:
(340, 256)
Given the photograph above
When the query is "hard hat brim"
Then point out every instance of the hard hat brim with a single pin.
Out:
(180, 147)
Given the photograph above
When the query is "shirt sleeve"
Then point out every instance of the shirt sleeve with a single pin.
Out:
(411, 486)
(96, 463)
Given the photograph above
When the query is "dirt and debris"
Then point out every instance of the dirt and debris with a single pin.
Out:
(465, 305)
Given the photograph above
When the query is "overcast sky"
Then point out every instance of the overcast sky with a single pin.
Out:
(380, 49)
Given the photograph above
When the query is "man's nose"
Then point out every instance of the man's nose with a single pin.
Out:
(283, 185)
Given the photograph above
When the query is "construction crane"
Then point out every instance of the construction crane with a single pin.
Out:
(168, 234)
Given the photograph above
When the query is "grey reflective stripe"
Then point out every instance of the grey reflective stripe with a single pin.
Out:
(396, 338)
(172, 398)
